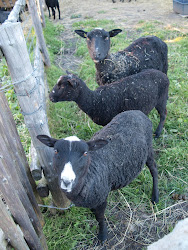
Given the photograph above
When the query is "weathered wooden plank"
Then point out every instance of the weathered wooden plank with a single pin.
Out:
(10, 166)
(10, 229)
(14, 48)
(41, 12)
(3, 242)
(12, 199)
(17, 151)
(11, 145)
(39, 31)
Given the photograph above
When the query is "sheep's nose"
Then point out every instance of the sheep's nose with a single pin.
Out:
(67, 182)
(51, 98)
(96, 54)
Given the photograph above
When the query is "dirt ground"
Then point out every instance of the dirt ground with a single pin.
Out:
(126, 14)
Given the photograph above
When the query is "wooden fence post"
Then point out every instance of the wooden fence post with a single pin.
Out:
(10, 229)
(12, 173)
(39, 31)
(17, 152)
(9, 192)
(3, 242)
(26, 86)
(41, 13)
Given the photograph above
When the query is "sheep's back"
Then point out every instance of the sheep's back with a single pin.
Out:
(144, 53)
(151, 52)
(136, 92)
(114, 166)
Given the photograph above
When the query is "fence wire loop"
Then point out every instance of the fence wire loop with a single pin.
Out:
(60, 208)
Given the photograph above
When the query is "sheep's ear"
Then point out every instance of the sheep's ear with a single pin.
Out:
(96, 144)
(81, 33)
(114, 32)
(48, 141)
(73, 83)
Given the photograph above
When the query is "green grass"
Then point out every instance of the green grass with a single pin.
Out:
(73, 228)
(77, 228)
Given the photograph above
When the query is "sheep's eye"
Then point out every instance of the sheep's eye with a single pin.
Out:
(85, 153)
(55, 151)
(106, 38)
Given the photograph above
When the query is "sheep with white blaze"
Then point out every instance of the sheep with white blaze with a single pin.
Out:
(148, 52)
(143, 91)
(88, 171)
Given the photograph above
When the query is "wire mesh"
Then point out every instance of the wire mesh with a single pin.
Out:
(25, 19)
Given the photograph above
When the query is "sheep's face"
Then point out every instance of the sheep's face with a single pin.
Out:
(98, 42)
(66, 89)
(71, 159)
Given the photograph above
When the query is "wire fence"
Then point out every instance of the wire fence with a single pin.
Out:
(26, 54)
(30, 37)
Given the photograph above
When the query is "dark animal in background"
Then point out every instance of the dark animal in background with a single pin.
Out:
(88, 171)
(144, 53)
(53, 4)
(143, 91)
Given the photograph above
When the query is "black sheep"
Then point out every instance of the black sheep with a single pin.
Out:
(143, 91)
(144, 53)
(88, 171)
(53, 4)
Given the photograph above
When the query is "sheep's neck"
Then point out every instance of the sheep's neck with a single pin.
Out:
(86, 100)
(115, 67)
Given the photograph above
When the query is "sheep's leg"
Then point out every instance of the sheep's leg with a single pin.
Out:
(58, 10)
(49, 12)
(53, 12)
(99, 215)
(153, 170)
(162, 112)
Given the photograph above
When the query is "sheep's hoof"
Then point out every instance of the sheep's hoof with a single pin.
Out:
(154, 199)
(156, 135)
(102, 236)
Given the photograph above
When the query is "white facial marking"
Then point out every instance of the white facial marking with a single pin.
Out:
(72, 138)
(67, 177)
(53, 91)
(98, 28)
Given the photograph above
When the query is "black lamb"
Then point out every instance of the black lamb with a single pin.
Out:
(53, 4)
(144, 53)
(88, 171)
(143, 91)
